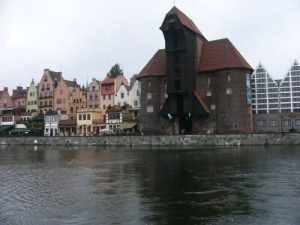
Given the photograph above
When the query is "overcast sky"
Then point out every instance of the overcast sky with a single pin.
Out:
(84, 38)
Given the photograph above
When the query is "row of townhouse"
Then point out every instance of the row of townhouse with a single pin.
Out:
(56, 95)
(276, 102)
(91, 122)
(113, 91)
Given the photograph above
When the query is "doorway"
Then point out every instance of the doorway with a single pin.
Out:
(186, 124)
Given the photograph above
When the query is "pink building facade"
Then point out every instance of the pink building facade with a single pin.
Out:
(5, 99)
(19, 97)
(47, 86)
(109, 89)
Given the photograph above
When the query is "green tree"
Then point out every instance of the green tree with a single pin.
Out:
(115, 71)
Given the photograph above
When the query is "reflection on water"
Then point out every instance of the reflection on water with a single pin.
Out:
(96, 185)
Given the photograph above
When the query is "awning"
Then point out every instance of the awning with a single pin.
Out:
(5, 128)
(20, 130)
(67, 123)
(127, 125)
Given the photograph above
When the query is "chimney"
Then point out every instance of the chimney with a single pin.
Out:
(6, 89)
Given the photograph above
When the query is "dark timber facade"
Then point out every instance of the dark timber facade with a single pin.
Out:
(194, 85)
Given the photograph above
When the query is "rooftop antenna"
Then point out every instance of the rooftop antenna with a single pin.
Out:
(174, 2)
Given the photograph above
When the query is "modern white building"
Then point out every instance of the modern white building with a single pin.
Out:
(276, 103)
(265, 92)
(135, 95)
(276, 96)
(290, 90)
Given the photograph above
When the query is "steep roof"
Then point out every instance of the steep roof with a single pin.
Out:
(108, 81)
(221, 54)
(185, 20)
(70, 83)
(55, 75)
(156, 66)
(216, 55)
(20, 92)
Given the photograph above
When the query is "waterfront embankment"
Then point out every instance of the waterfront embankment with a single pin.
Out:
(161, 140)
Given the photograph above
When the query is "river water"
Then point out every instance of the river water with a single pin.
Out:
(97, 185)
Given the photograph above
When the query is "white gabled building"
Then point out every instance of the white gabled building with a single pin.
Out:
(276, 96)
(276, 103)
(134, 94)
(265, 92)
(290, 90)
(122, 95)
(129, 95)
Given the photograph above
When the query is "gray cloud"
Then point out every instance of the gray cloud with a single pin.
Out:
(85, 38)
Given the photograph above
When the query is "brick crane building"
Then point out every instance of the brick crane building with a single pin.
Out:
(194, 85)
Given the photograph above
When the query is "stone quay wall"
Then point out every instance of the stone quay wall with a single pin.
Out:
(168, 140)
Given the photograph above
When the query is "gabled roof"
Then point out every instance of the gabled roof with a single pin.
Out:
(216, 55)
(221, 54)
(185, 20)
(157, 66)
(127, 88)
(108, 81)
(55, 75)
(20, 92)
(70, 83)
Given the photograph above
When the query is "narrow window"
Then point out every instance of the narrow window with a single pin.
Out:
(149, 96)
(177, 85)
(228, 78)
(150, 109)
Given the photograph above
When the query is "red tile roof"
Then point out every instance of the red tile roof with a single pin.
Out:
(186, 21)
(156, 66)
(216, 55)
(108, 81)
(221, 54)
